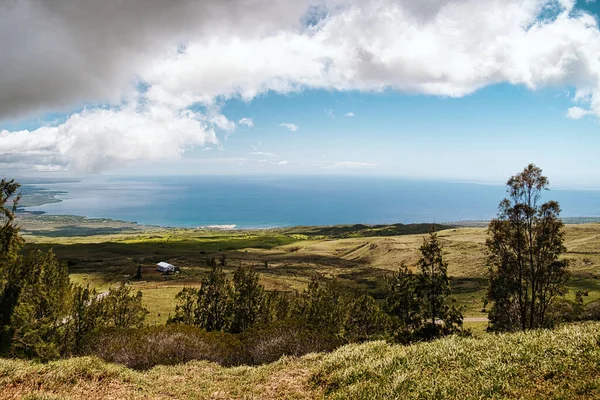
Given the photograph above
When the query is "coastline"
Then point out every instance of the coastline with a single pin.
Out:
(35, 195)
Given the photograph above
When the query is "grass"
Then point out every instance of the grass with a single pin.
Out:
(293, 256)
(562, 364)
(160, 302)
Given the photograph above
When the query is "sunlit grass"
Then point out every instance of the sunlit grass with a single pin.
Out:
(562, 363)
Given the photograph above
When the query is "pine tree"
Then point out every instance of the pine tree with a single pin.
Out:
(246, 299)
(185, 309)
(38, 322)
(122, 309)
(363, 320)
(403, 303)
(86, 315)
(11, 265)
(433, 289)
(213, 306)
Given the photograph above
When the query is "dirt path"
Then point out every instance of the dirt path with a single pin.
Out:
(475, 319)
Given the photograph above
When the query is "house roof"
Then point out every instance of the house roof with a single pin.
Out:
(164, 264)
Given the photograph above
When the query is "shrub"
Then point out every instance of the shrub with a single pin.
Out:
(290, 338)
(176, 343)
(592, 311)
(165, 345)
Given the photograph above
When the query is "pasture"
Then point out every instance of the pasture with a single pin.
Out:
(286, 259)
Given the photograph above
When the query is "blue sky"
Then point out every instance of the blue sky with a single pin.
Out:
(284, 98)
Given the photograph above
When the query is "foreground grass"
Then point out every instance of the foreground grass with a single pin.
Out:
(564, 363)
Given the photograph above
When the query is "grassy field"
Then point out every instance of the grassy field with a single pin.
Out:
(292, 257)
(559, 364)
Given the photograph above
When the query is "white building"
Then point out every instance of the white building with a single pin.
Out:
(166, 267)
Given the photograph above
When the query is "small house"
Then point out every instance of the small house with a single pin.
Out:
(166, 267)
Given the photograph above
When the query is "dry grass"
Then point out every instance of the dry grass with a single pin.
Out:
(359, 262)
(91, 378)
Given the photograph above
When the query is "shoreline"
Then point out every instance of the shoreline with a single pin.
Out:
(23, 213)
(35, 195)
(51, 225)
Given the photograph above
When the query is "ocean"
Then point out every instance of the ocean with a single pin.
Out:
(278, 201)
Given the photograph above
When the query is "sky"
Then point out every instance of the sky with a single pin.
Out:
(457, 90)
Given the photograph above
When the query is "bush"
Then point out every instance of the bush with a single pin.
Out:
(592, 311)
(165, 345)
(175, 344)
(290, 338)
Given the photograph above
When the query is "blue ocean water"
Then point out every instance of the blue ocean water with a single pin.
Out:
(260, 202)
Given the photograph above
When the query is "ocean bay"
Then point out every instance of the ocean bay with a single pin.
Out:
(280, 201)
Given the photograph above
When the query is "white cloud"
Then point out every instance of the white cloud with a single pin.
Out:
(349, 114)
(191, 52)
(262, 153)
(47, 168)
(247, 121)
(99, 139)
(291, 127)
(330, 112)
(283, 162)
(345, 164)
(215, 118)
(447, 48)
(577, 112)
(72, 52)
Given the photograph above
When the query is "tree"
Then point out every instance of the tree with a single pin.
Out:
(212, 311)
(86, 315)
(433, 290)
(275, 306)
(322, 304)
(123, 309)
(11, 266)
(186, 306)
(403, 304)
(10, 241)
(524, 246)
(363, 320)
(246, 298)
(37, 323)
